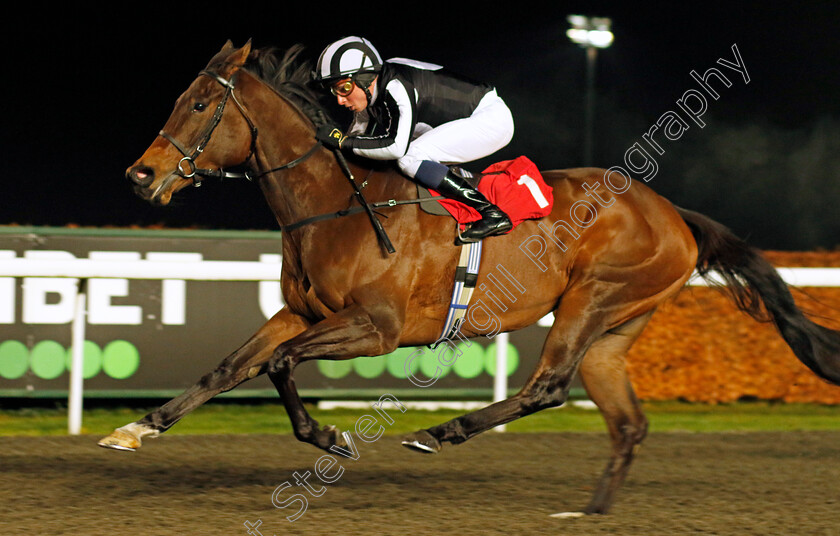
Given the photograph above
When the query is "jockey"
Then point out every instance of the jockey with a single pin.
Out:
(421, 116)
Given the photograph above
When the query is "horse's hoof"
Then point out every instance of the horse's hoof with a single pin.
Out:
(336, 437)
(127, 438)
(568, 515)
(422, 441)
(121, 440)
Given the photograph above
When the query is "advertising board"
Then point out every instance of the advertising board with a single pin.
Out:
(154, 338)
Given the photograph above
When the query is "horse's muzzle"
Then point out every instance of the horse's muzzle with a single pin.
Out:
(141, 175)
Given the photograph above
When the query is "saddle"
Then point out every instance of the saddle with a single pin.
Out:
(515, 186)
(433, 206)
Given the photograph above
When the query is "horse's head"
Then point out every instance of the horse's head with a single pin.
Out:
(202, 134)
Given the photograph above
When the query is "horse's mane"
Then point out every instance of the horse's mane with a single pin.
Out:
(288, 75)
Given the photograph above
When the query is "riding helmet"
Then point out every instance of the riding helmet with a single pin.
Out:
(347, 58)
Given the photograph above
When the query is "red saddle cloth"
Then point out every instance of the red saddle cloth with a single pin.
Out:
(515, 186)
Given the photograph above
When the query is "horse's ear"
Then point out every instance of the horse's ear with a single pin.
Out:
(227, 47)
(236, 59)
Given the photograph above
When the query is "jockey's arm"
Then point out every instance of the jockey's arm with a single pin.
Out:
(396, 122)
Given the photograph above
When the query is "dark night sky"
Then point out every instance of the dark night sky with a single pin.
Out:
(86, 92)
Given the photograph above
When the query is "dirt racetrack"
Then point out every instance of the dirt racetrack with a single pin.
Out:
(785, 483)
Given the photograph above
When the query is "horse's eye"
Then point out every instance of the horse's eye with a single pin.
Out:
(199, 107)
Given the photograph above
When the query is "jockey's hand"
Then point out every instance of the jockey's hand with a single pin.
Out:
(330, 136)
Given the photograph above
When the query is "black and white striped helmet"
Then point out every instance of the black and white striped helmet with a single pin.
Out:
(346, 58)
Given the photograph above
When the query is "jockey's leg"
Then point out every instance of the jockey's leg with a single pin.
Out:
(493, 220)
(487, 130)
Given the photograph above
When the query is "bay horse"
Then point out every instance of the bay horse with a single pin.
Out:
(346, 297)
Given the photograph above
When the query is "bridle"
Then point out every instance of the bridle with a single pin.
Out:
(186, 167)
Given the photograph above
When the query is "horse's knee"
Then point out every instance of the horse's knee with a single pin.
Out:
(281, 362)
(230, 372)
(215, 379)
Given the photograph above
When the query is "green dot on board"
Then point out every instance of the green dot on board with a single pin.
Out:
(369, 367)
(471, 363)
(512, 359)
(120, 359)
(14, 359)
(47, 360)
(334, 370)
(439, 358)
(396, 360)
(91, 361)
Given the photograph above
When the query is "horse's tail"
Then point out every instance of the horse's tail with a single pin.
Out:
(750, 281)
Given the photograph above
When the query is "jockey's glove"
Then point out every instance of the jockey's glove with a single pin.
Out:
(330, 136)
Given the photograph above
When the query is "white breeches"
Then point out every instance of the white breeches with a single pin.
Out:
(488, 129)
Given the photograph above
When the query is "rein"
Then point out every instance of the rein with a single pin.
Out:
(354, 210)
(187, 169)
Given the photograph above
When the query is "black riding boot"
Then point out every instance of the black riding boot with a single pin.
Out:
(493, 221)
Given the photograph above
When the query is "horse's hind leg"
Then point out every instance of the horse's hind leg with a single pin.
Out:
(604, 376)
(579, 322)
(245, 363)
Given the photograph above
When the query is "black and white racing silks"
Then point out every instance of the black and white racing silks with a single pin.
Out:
(411, 100)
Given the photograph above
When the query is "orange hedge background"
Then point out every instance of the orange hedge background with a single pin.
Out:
(698, 347)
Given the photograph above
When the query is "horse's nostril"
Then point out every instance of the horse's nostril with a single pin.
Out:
(141, 175)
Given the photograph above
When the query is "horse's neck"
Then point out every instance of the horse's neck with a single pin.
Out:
(285, 135)
(317, 185)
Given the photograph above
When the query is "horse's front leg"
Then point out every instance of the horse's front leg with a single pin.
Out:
(352, 332)
(245, 363)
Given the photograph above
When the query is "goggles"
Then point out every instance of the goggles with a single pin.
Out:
(343, 88)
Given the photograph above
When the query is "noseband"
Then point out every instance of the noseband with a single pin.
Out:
(186, 167)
